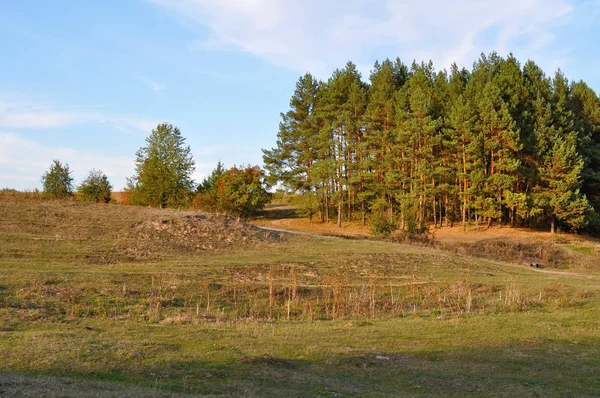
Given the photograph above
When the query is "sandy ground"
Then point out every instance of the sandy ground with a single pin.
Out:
(281, 216)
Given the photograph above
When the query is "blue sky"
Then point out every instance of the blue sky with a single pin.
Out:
(85, 81)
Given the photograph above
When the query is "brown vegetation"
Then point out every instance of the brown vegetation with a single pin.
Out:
(105, 234)
(122, 198)
(269, 314)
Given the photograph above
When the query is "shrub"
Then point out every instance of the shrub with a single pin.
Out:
(243, 191)
(382, 227)
(205, 201)
(95, 188)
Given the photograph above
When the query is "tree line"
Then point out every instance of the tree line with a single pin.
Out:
(502, 143)
(163, 178)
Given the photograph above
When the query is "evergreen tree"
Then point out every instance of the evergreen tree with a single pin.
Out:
(209, 184)
(460, 119)
(291, 161)
(562, 176)
(586, 109)
(502, 142)
(418, 124)
(339, 119)
(377, 166)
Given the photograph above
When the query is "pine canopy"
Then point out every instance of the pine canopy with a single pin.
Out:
(502, 143)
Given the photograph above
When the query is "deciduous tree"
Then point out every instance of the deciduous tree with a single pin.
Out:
(58, 181)
(163, 169)
(95, 187)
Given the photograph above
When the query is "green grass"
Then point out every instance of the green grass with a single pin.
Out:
(297, 316)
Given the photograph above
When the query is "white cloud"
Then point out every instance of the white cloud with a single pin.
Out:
(25, 115)
(320, 35)
(23, 161)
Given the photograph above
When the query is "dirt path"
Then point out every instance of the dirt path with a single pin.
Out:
(561, 273)
(290, 231)
(289, 223)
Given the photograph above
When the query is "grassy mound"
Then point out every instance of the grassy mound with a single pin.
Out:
(105, 234)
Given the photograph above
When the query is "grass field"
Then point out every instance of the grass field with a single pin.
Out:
(106, 300)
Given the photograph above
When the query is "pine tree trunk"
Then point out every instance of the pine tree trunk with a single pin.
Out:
(364, 214)
(402, 220)
(349, 215)
(446, 221)
(322, 211)
(434, 212)
(465, 185)
(327, 206)
(552, 225)
(464, 213)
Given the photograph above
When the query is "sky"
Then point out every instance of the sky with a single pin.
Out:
(85, 81)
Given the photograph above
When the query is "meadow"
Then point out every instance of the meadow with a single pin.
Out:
(110, 300)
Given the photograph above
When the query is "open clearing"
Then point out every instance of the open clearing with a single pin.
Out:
(103, 300)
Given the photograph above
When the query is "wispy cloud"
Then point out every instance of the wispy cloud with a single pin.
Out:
(294, 35)
(151, 84)
(26, 115)
(23, 161)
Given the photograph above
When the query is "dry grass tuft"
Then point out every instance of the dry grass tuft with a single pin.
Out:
(542, 252)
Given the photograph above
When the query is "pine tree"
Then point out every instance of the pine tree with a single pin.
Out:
(418, 124)
(502, 142)
(292, 161)
(586, 109)
(460, 119)
(562, 176)
(339, 118)
(380, 172)
(543, 130)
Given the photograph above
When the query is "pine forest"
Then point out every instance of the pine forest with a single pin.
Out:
(501, 144)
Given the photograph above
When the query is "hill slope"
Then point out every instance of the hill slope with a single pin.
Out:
(107, 234)
(262, 315)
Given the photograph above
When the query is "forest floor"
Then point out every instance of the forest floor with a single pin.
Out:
(110, 301)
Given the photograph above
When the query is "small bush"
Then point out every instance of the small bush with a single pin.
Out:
(95, 188)
(243, 191)
(421, 239)
(383, 227)
(205, 201)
